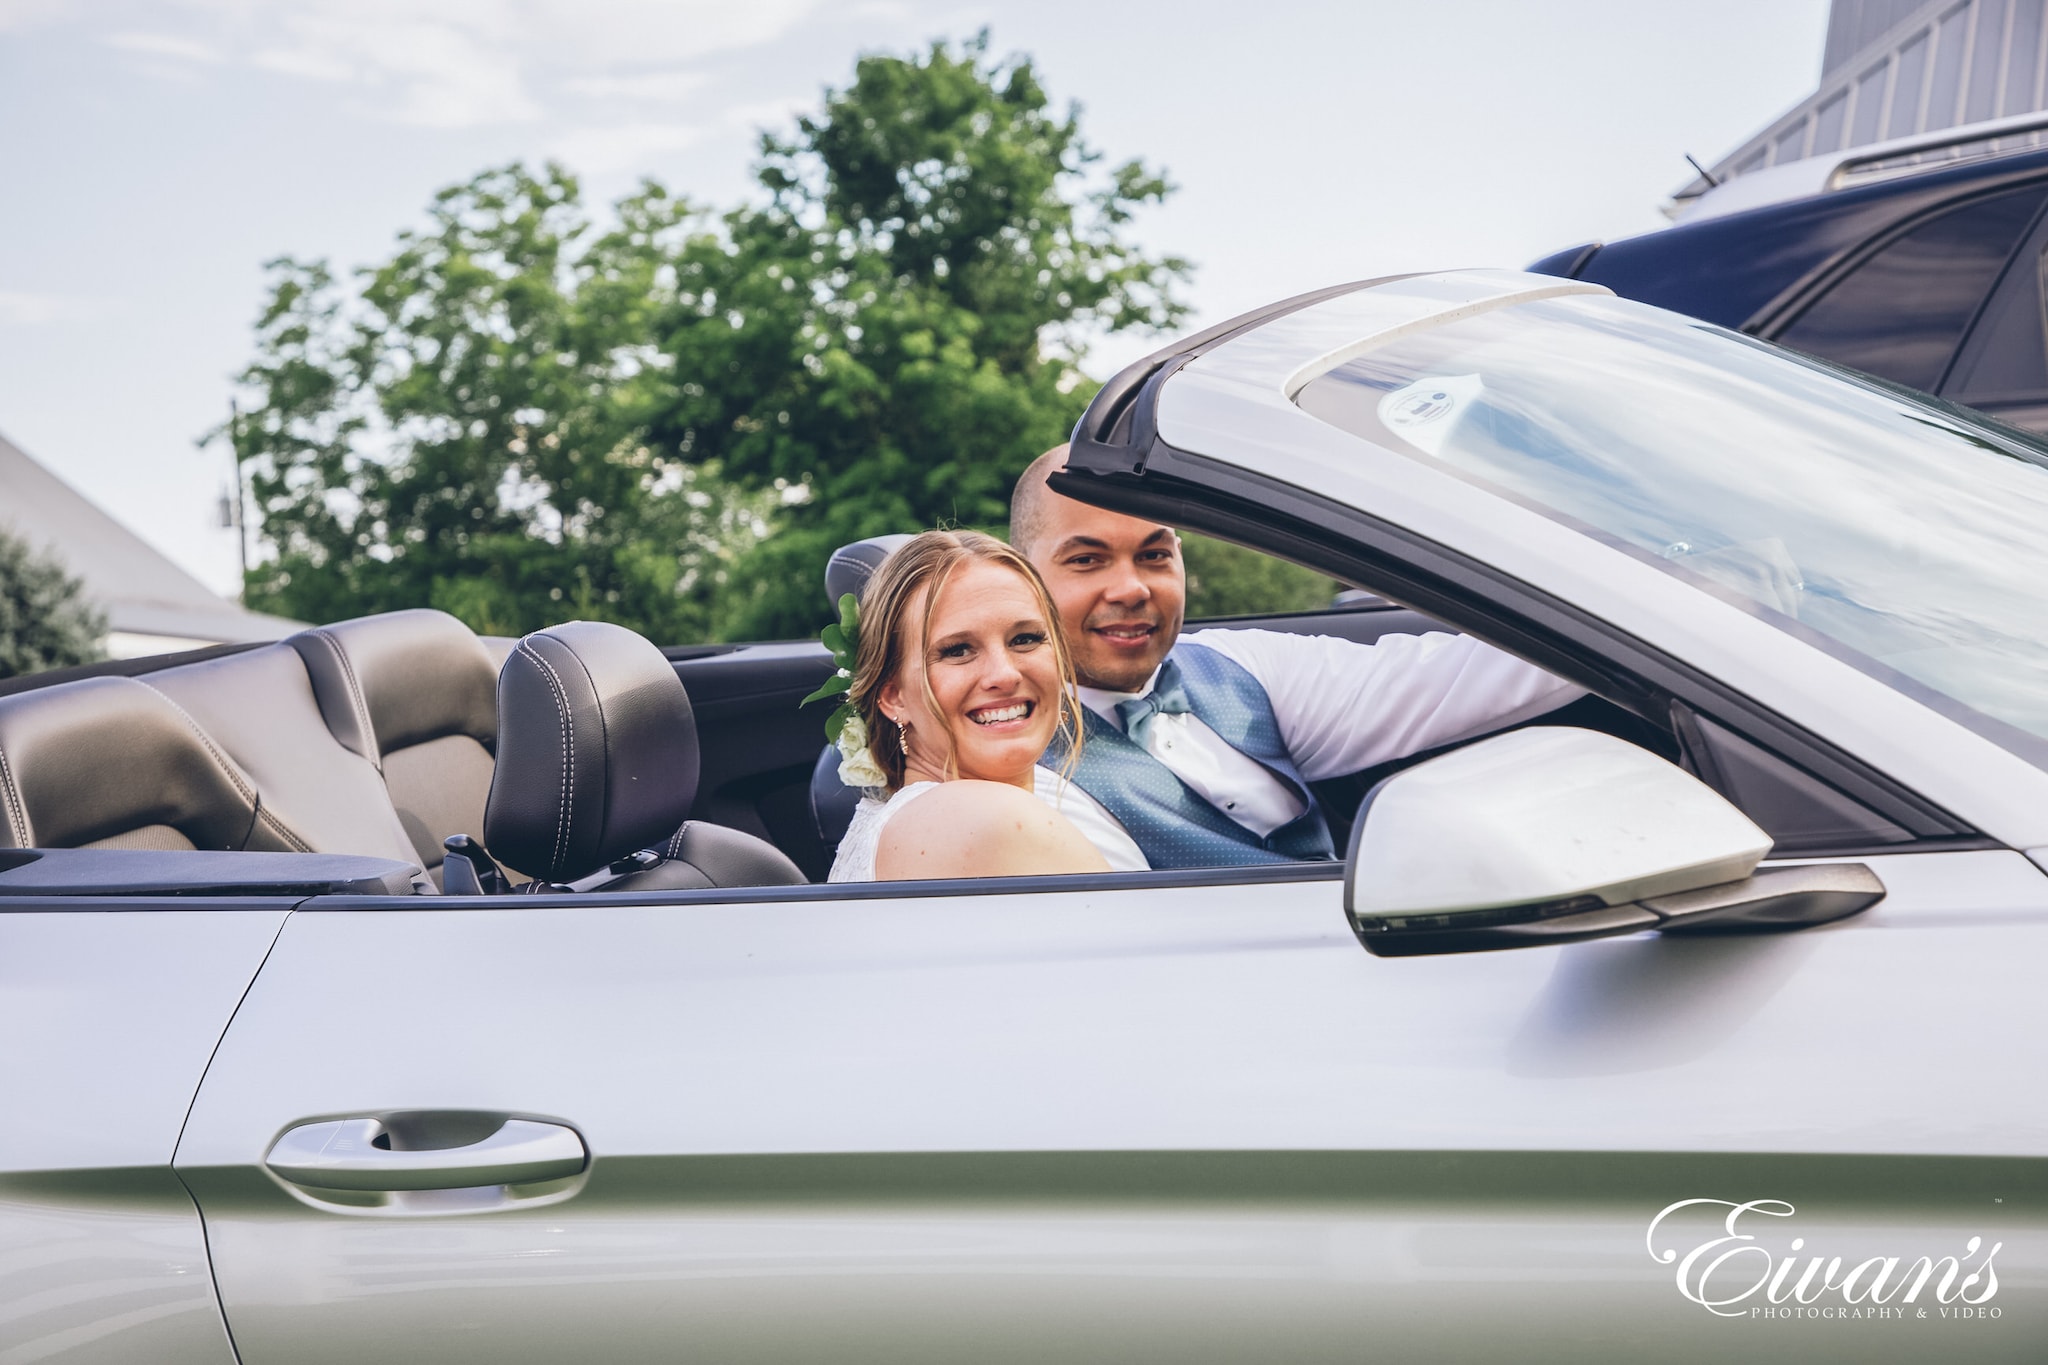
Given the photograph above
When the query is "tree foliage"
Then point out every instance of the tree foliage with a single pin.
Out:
(467, 429)
(897, 333)
(46, 620)
(670, 419)
(1229, 580)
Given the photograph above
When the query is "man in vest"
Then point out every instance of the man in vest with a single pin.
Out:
(1200, 750)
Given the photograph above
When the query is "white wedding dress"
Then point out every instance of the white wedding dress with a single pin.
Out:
(855, 861)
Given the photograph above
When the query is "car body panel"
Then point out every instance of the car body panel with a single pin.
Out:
(730, 1065)
(111, 1010)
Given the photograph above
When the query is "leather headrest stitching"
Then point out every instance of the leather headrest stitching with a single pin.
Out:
(18, 828)
(567, 724)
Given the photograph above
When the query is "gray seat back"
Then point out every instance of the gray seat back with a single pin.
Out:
(113, 763)
(258, 706)
(415, 694)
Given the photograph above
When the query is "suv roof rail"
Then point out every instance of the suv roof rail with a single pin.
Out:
(1902, 156)
(1863, 165)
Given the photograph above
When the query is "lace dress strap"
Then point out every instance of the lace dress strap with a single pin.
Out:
(855, 861)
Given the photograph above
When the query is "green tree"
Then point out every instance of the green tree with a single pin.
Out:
(671, 420)
(46, 620)
(466, 429)
(1229, 580)
(898, 331)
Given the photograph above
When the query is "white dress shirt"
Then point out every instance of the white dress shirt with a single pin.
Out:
(1341, 707)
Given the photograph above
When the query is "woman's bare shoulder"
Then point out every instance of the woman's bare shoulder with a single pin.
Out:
(981, 829)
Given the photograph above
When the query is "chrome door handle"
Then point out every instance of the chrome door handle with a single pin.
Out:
(357, 1154)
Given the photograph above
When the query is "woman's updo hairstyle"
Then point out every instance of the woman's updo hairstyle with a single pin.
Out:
(888, 640)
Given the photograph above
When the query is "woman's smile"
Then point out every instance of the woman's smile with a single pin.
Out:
(1005, 714)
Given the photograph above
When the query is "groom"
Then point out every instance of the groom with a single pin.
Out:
(1200, 750)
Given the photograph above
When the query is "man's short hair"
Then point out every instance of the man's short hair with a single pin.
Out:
(1031, 500)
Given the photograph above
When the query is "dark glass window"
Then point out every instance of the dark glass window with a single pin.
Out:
(1900, 314)
(2006, 358)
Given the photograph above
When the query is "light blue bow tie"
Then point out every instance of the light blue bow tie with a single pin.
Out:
(1167, 698)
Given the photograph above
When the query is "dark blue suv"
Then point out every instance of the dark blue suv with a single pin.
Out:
(1932, 278)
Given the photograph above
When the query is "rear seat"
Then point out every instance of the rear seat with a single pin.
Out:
(372, 736)
(260, 707)
(414, 693)
(113, 763)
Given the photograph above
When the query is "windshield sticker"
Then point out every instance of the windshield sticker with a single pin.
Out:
(1425, 412)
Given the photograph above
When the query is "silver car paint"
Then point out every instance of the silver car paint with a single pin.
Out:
(110, 1016)
(1199, 1122)
(1233, 404)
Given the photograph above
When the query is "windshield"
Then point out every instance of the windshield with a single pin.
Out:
(1906, 538)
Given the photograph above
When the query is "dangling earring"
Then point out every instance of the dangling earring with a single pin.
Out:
(903, 738)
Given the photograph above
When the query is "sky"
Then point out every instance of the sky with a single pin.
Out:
(155, 153)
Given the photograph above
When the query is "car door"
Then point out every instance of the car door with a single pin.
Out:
(110, 1007)
(1179, 1116)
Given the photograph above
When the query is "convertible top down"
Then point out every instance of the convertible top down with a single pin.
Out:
(295, 1077)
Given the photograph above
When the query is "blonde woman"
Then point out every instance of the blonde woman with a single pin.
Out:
(960, 681)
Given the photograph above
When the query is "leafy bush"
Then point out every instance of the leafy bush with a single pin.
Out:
(46, 620)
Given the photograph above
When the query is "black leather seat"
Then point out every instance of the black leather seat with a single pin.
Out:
(113, 763)
(597, 760)
(259, 706)
(848, 571)
(414, 693)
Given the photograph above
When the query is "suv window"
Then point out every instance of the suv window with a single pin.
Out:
(1900, 314)
(2005, 361)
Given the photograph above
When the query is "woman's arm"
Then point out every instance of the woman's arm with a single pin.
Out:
(981, 829)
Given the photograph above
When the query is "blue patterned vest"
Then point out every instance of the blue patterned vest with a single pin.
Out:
(1172, 825)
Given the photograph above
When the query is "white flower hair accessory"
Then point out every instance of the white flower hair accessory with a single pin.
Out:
(857, 766)
(844, 727)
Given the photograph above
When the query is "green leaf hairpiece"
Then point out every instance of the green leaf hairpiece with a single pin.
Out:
(842, 638)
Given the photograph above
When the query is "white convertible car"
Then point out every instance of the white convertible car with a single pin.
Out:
(1754, 1064)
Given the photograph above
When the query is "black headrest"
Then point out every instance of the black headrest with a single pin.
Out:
(851, 566)
(597, 751)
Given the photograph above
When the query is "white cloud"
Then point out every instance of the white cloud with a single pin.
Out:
(465, 63)
(19, 14)
(167, 45)
(653, 87)
(621, 148)
(34, 310)
(303, 62)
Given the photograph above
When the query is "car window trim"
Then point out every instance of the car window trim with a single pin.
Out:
(1066, 883)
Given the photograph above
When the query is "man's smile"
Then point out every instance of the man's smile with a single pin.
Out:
(1126, 634)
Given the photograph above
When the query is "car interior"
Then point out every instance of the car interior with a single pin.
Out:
(433, 761)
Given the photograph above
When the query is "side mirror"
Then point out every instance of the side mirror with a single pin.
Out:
(1553, 835)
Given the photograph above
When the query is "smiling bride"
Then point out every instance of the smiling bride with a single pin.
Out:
(960, 680)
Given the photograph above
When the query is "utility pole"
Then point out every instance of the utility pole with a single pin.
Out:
(241, 506)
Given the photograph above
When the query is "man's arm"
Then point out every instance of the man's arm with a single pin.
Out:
(1344, 706)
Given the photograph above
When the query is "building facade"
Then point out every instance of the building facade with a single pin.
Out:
(1899, 71)
(152, 605)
